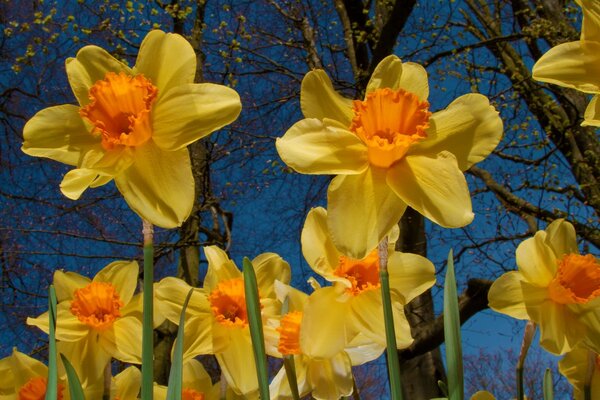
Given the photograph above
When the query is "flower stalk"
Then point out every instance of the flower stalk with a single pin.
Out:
(527, 339)
(147, 323)
(587, 384)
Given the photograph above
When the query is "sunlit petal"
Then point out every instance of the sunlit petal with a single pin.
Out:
(410, 274)
(536, 260)
(122, 275)
(319, 100)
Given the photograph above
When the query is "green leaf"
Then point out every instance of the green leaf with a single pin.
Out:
(452, 334)
(52, 384)
(256, 331)
(548, 386)
(443, 387)
(75, 389)
(290, 372)
(176, 373)
(393, 363)
(148, 324)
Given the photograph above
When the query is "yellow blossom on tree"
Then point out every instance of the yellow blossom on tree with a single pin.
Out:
(577, 64)
(389, 152)
(133, 125)
(555, 287)
(216, 319)
(97, 319)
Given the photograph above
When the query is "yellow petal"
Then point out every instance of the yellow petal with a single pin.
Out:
(88, 359)
(330, 379)
(24, 368)
(362, 349)
(108, 163)
(561, 237)
(198, 337)
(239, 373)
(574, 65)
(195, 377)
(123, 276)
(91, 65)
(268, 268)
(536, 260)
(58, 133)
(483, 395)
(470, 128)
(560, 331)
(322, 330)
(7, 378)
(159, 392)
(296, 298)
(362, 209)
(317, 247)
(319, 100)
(392, 73)
(506, 296)
(159, 186)
(41, 321)
(68, 326)
(220, 267)
(170, 295)
(126, 385)
(590, 27)
(592, 113)
(280, 387)
(190, 112)
(123, 340)
(167, 59)
(65, 284)
(434, 187)
(312, 147)
(574, 366)
(76, 181)
(410, 275)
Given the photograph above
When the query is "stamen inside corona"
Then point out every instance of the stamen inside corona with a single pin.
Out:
(228, 303)
(97, 305)
(119, 109)
(289, 333)
(577, 280)
(191, 394)
(362, 274)
(389, 122)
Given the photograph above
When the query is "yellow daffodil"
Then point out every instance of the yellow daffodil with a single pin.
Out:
(97, 319)
(577, 64)
(555, 287)
(483, 395)
(196, 384)
(25, 378)
(356, 290)
(574, 366)
(216, 318)
(298, 334)
(389, 151)
(133, 125)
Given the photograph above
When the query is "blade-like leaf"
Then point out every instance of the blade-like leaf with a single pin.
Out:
(452, 335)
(75, 389)
(176, 373)
(52, 384)
(256, 330)
(548, 387)
(148, 323)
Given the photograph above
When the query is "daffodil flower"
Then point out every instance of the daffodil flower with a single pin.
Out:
(133, 125)
(389, 152)
(576, 65)
(356, 290)
(196, 384)
(555, 287)
(25, 378)
(216, 319)
(574, 366)
(97, 319)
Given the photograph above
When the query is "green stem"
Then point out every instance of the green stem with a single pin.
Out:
(587, 384)
(52, 382)
(390, 335)
(527, 339)
(147, 323)
(520, 394)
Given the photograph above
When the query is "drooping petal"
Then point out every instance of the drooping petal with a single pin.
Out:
(559, 330)
(362, 210)
(323, 320)
(319, 100)
(591, 117)
(167, 59)
(506, 296)
(68, 327)
(76, 181)
(561, 237)
(88, 359)
(220, 267)
(330, 378)
(65, 284)
(410, 275)
(239, 373)
(123, 276)
(89, 66)
(198, 337)
(575, 65)
(170, 294)
(313, 147)
(470, 128)
(126, 385)
(590, 27)
(195, 377)
(269, 267)
(317, 247)
(536, 260)
(24, 368)
(190, 112)
(434, 187)
(122, 341)
(159, 185)
(362, 349)
(58, 133)
(392, 73)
